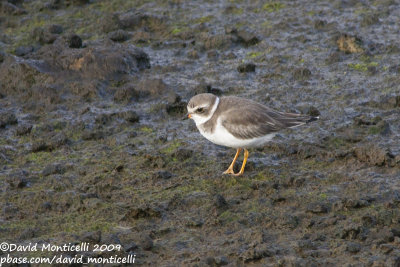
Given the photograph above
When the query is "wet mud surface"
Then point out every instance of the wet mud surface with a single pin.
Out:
(93, 146)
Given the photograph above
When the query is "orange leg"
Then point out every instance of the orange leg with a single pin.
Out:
(230, 169)
(246, 155)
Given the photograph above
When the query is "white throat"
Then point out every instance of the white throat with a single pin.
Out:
(200, 120)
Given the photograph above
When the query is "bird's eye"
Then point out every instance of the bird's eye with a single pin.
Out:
(200, 110)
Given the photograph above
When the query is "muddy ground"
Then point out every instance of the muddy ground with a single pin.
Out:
(93, 146)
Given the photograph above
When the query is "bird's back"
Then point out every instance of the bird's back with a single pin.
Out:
(248, 119)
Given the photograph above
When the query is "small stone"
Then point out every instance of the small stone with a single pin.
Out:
(334, 57)
(53, 169)
(7, 118)
(247, 37)
(183, 154)
(163, 175)
(53, 4)
(383, 128)
(386, 248)
(193, 54)
(304, 245)
(104, 118)
(301, 74)
(229, 29)
(246, 67)
(119, 168)
(353, 247)
(144, 211)
(368, 220)
(221, 260)
(141, 37)
(55, 29)
(386, 235)
(74, 41)
(130, 116)
(220, 202)
(394, 68)
(153, 87)
(210, 261)
(299, 181)
(8, 8)
(39, 146)
(23, 50)
(372, 70)
(317, 208)
(229, 55)
(212, 54)
(277, 198)
(395, 232)
(125, 94)
(23, 129)
(16, 181)
(131, 247)
(110, 22)
(91, 237)
(28, 234)
(93, 134)
(146, 242)
(57, 141)
(9, 211)
(395, 261)
(173, 98)
(356, 204)
(178, 108)
(79, 2)
(257, 253)
(351, 231)
(44, 36)
(394, 101)
(369, 19)
(194, 222)
(319, 24)
(2, 56)
(119, 36)
(373, 155)
(45, 206)
(364, 120)
(219, 41)
(132, 20)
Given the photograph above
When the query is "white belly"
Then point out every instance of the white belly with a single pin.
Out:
(222, 137)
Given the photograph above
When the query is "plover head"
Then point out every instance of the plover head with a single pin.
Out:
(201, 107)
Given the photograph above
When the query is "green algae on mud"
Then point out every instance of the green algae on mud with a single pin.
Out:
(273, 6)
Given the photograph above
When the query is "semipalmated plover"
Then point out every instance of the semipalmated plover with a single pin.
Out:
(239, 123)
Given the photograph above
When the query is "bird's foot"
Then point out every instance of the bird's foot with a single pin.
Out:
(229, 171)
(238, 174)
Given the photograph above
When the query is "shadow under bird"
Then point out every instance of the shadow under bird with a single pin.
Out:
(239, 123)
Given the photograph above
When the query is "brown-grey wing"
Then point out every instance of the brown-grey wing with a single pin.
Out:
(249, 122)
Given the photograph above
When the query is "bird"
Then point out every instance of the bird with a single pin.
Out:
(239, 123)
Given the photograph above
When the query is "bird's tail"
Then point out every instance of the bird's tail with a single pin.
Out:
(294, 120)
(312, 118)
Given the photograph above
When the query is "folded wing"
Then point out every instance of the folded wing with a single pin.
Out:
(252, 120)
